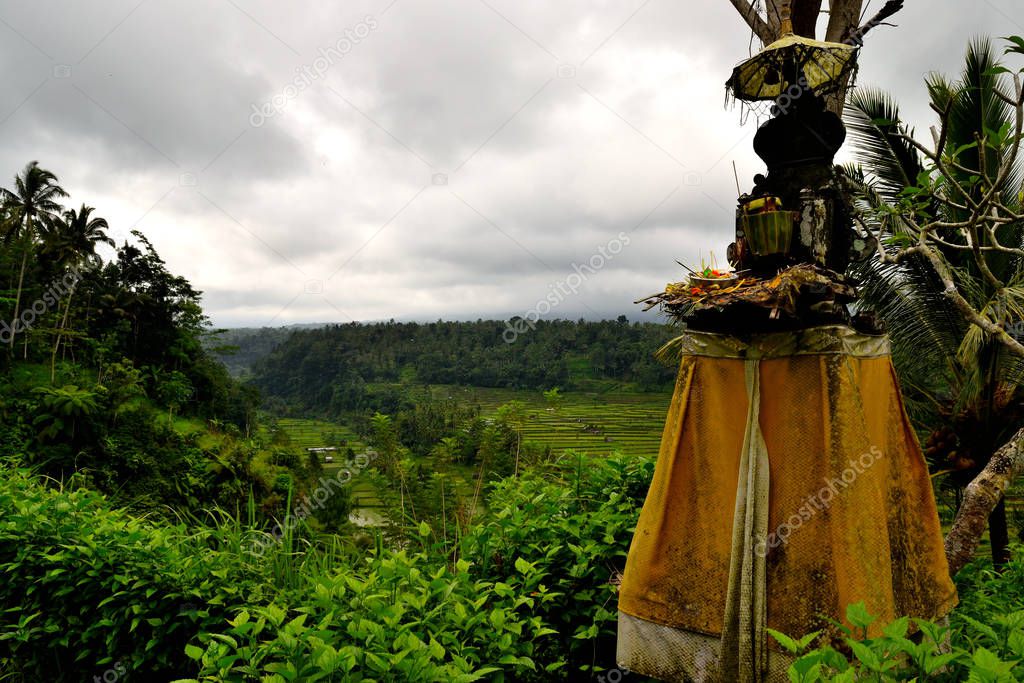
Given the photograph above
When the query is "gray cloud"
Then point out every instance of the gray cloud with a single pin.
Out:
(455, 162)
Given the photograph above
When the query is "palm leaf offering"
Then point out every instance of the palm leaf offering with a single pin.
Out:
(778, 294)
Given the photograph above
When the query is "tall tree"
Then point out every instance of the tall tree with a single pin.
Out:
(35, 198)
(71, 242)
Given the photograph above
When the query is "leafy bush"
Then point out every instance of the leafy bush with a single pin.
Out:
(526, 594)
(984, 641)
(91, 587)
(85, 587)
(575, 528)
(532, 596)
(397, 618)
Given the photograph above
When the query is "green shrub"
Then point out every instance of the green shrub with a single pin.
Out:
(983, 643)
(575, 527)
(532, 597)
(397, 618)
(528, 593)
(85, 586)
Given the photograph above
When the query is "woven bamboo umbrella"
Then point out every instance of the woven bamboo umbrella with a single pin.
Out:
(793, 60)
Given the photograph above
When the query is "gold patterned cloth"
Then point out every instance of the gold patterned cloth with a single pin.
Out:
(789, 485)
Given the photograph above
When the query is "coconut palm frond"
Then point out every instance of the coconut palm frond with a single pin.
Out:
(971, 345)
(855, 171)
(1012, 369)
(1008, 310)
(923, 328)
(970, 389)
(941, 92)
(968, 282)
(876, 130)
(977, 108)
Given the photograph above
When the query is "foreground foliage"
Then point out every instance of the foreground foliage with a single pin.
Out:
(983, 640)
(86, 586)
(526, 595)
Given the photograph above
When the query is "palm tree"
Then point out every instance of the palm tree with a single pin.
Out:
(72, 237)
(71, 241)
(34, 199)
(957, 378)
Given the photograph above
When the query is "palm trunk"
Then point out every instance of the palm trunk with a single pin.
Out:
(999, 535)
(17, 299)
(56, 343)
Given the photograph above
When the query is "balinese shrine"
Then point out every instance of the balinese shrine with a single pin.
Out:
(789, 482)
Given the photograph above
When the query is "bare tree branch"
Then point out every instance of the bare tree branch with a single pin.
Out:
(805, 17)
(758, 25)
(981, 262)
(843, 17)
(857, 34)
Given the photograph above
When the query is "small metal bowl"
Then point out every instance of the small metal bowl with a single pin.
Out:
(697, 281)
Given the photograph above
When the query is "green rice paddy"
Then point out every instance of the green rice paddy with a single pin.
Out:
(596, 423)
(306, 433)
(591, 422)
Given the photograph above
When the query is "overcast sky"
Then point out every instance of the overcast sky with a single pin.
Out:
(416, 159)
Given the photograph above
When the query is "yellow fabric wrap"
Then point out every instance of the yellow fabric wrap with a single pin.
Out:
(850, 512)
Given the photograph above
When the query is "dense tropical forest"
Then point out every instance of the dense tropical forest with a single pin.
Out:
(407, 501)
(342, 368)
(103, 362)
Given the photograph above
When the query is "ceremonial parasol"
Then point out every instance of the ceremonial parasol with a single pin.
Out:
(809, 65)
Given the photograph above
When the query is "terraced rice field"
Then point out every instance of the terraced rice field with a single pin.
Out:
(597, 423)
(315, 433)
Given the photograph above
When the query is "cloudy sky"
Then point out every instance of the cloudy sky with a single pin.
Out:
(416, 159)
